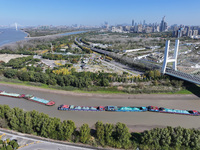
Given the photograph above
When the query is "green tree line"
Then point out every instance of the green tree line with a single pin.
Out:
(61, 57)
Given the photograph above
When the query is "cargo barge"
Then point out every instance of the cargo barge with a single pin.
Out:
(173, 111)
(39, 100)
(81, 108)
(15, 95)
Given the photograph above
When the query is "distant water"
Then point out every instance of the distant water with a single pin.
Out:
(10, 36)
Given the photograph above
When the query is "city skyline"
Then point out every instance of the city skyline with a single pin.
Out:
(89, 12)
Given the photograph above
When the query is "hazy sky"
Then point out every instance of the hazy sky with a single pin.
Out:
(95, 12)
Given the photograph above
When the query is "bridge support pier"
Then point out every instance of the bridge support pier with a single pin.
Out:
(166, 58)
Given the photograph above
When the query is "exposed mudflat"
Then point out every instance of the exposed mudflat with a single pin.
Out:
(136, 121)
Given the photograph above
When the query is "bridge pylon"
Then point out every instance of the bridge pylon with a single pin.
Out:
(166, 57)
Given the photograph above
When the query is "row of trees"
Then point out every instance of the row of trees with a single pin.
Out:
(9, 51)
(71, 58)
(75, 80)
(85, 49)
(164, 138)
(117, 136)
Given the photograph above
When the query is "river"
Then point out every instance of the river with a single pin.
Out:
(138, 120)
(11, 35)
(8, 35)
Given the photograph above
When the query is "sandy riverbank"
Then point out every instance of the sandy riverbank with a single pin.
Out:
(112, 96)
(7, 57)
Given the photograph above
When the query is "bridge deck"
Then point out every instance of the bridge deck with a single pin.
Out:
(184, 76)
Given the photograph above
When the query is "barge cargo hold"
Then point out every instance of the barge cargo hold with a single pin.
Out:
(125, 109)
(39, 100)
(15, 95)
(81, 108)
(131, 109)
(177, 111)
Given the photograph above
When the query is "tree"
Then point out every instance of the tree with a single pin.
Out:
(24, 76)
(151, 74)
(100, 132)
(14, 144)
(8, 147)
(3, 123)
(28, 123)
(123, 135)
(157, 73)
(10, 73)
(84, 133)
(103, 82)
(68, 128)
(108, 130)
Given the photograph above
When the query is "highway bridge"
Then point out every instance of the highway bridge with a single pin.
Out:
(183, 76)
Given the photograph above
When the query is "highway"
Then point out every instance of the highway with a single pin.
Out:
(116, 65)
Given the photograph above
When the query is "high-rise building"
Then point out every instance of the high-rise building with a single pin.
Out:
(132, 22)
(195, 32)
(190, 33)
(144, 23)
(187, 30)
(163, 25)
(106, 26)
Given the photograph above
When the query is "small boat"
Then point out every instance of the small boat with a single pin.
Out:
(15, 95)
(39, 100)
(81, 108)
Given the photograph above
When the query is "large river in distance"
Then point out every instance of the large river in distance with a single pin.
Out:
(132, 119)
(9, 35)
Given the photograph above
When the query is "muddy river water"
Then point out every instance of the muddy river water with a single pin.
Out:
(135, 120)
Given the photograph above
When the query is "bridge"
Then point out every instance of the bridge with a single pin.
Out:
(183, 76)
(174, 71)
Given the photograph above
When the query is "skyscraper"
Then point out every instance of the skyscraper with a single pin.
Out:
(132, 22)
(144, 22)
(163, 25)
(187, 30)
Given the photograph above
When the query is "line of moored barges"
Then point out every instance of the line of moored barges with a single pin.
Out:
(128, 109)
(102, 108)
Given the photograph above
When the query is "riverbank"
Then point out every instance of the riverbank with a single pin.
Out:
(100, 95)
